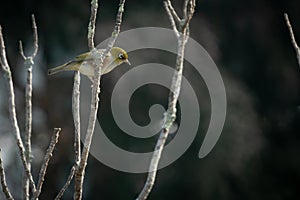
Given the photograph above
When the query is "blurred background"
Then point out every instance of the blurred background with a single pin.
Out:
(257, 155)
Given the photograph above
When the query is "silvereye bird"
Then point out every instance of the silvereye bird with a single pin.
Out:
(83, 63)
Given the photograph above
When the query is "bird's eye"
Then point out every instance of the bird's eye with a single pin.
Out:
(121, 56)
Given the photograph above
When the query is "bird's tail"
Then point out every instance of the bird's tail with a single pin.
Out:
(65, 67)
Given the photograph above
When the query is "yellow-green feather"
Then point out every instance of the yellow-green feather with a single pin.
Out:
(73, 66)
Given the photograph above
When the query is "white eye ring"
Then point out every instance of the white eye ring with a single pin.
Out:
(121, 56)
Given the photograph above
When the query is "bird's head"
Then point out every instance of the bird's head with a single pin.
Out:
(120, 56)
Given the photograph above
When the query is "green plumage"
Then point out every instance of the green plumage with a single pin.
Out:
(83, 62)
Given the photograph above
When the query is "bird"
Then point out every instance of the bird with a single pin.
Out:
(84, 63)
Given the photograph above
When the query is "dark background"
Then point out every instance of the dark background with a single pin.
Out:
(257, 156)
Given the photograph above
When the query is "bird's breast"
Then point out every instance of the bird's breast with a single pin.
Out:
(87, 69)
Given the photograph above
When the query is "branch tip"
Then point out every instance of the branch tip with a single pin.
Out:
(35, 36)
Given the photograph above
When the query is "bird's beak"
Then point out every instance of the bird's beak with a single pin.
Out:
(127, 61)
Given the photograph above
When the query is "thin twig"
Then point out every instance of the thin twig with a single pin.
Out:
(12, 110)
(28, 63)
(296, 47)
(67, 184)
(45, 163)
(76, 116)
(28, 123)
(170, 115)
(76, 94)
(92, 24)
(172, 21)
(172, 11)
(35, 36)
(185, 6)
(21, 49)
(3, 181)
(35, 41)
(79, 175)
(190, 9)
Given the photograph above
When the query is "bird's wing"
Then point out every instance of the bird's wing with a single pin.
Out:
(86, 56)
(82, 57)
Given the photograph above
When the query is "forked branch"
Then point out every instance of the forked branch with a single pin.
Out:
(181, 30)
(98, 63)
(28, 63)
(12, 111)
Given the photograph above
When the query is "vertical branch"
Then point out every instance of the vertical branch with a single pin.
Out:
(76, 116)
(76, 96)
(79, 174)
(92, 24)
(182, 35)
(45, 163)
(117, 27)
(28, 63)
(12, 110)
(3, 181)
(293, 40)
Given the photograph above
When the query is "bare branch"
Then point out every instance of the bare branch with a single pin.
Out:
(28, 63)
(21, 50)
(172, 10)
(170, 115)
(45, 163)
(92, 24)
(35, 41)
(3, 59)
(191, 5)
(35, 37)
(76, 116)
(185, 7)
(296, 47)
(3, 181)
(28, 122)
(79, 175)
(153, 165)
(76, 97)
(12, 110)
(172, 21)
(76, 104)
(117, 28)
(67, 184)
